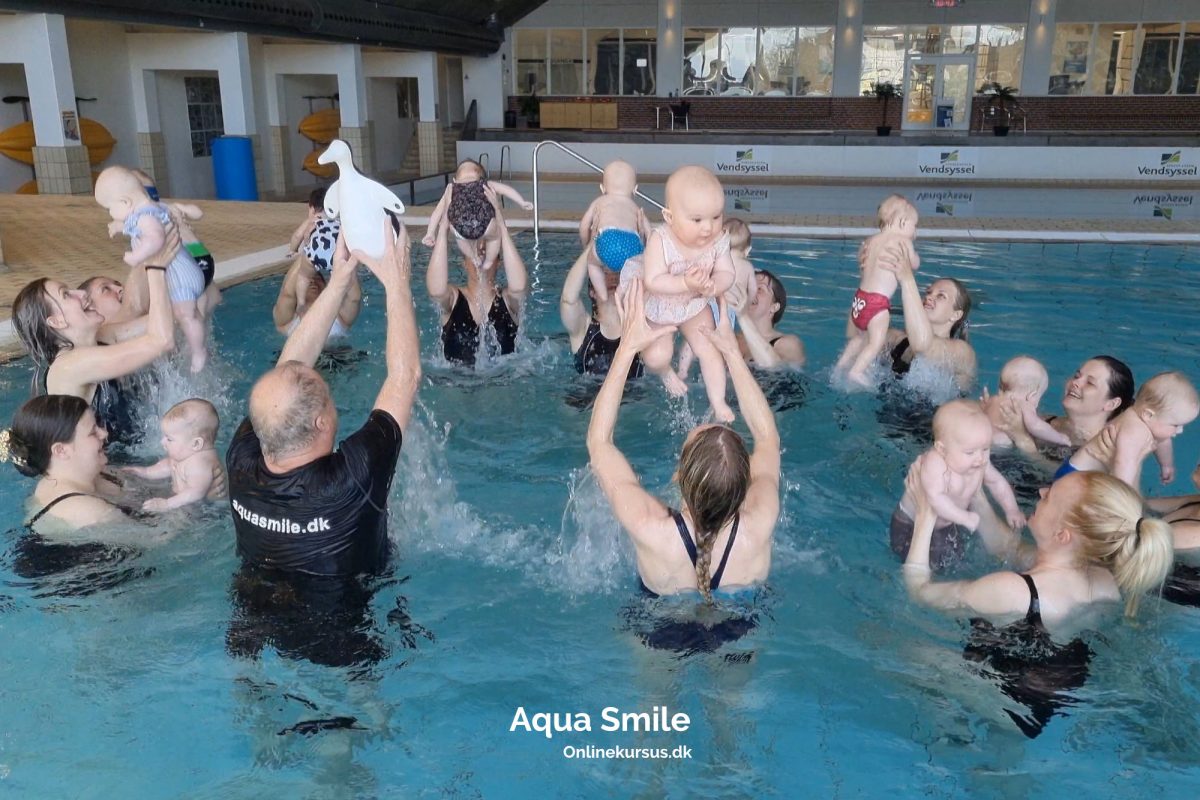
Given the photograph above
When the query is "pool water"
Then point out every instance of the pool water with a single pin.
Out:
(513, 587)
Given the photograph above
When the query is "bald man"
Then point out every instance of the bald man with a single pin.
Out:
(298, 505)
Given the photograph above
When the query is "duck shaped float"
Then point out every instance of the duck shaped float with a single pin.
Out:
(361, 203)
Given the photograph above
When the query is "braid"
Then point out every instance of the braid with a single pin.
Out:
(714, 473)
(704, 548)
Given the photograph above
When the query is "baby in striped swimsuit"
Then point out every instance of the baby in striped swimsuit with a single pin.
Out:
(145, 223)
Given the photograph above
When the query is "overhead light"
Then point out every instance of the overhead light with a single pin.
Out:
(946, 3)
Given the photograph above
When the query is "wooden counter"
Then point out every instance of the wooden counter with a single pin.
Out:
(579, 114)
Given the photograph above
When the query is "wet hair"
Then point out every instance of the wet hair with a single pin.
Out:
(1120, 382)
(956, 411)
(200, 415)
(1165, 389)
(86, 286)
(778, 294)
(961, 303)
(470, 162)
(1115, 532)
(1016, 373)
(739, 233)
(292, 427)
(894, 207)
(38, 425)
(30, 311)
(714, 475)
(316, 198)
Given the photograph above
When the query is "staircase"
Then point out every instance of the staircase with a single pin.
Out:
(411, 167)
(450, 137)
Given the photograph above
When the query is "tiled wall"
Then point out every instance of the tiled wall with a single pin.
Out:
(429, 142)
(362, 146)
(152, 157)
(62, 170)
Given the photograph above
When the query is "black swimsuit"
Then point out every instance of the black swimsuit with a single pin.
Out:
(690, 546)
(461, 334)
(1030, 667)
(595, 354)
(899, 365)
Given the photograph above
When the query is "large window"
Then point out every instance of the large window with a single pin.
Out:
(595, 61)
(204, 113)
(1125, 58)
(757, 61)
(998, 50)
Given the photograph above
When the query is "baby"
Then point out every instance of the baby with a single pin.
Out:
(614, 225)
(951, 473)
(869, 312)
(315, 239)
(1163, 405)
(144, 222)
(687, 263)
(189, 434)
(1023, 381)
(471, 215)
(183, 215)
(738, 295)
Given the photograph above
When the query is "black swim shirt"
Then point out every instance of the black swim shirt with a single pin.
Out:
(328, 517)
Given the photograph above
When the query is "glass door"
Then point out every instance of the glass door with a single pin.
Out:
(938, 91)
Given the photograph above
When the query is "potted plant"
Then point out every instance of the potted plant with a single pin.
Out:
(885, 91)
(1001, 100)
(531, 110)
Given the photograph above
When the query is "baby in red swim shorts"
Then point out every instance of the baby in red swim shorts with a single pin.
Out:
(870, 318)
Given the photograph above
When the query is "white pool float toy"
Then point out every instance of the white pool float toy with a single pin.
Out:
(361, 203)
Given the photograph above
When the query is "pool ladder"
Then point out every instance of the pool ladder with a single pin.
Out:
(483, 162)
(536, 206)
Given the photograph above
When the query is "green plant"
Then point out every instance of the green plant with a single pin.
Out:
(885, 91)
(1003, 99)
(531, 106)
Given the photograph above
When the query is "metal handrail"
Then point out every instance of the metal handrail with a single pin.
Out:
(580, 159)
(483, 162)
(505, 149)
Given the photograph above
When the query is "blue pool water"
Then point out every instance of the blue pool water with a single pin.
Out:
(513, 586)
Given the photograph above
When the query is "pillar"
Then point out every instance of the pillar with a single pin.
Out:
(847, 49)
(152, 158)
(1039, 47)
(668, 68)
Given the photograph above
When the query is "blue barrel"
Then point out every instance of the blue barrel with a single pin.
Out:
(233, 168)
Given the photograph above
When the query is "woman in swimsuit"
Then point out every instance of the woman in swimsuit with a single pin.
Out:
(465, 309)
(284, 313)
(60, 328)
(769, 348)
(1093, 541)
(935, 327)
(56, 438)
(730, 497)
(1099, 390)
(594, 336)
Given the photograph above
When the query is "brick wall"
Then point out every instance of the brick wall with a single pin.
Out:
(1179, 114)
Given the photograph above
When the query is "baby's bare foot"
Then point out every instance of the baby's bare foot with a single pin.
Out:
(859, 379)
(199, 360)
(674, 386)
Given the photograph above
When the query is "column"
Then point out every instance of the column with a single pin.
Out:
(237, 97)
(483, 82)
(352, 101)
(847, 49)
(429, 130)
(668, 69)
(1039, 47)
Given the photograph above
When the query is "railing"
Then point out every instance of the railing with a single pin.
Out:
(412, 183)
(506, 149)
(471, 122)
(580, 159)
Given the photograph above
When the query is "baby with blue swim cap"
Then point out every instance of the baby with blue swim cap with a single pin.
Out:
(614, 229)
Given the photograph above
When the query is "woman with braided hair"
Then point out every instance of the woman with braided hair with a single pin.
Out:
(721, 537)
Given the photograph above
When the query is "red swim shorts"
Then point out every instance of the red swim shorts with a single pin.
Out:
(865, 306)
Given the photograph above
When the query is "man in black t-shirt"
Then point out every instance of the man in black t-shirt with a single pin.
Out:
(299, 506)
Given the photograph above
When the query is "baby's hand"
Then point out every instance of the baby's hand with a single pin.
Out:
(115, 227)
(698, 281)
(155, 504)
(528, 206)
(1167, 474)
(1015, 519)
(973, 521)
(428, 240)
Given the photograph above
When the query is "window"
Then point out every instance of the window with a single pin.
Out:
(531, 73)
(604, 60)
(204, 113)
(883, 56)
(757, 61)
(1156, 66)
(1000, 51)
(566, 62)
(1189, 64)
(1125, 58)
(640, 60)
(814, 61)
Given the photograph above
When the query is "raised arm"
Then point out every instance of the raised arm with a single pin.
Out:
(151, 236)
(352, 304)
(585, 224)
(435, 219)
(761, 351)
(762, 497)
(1041, 429)
(306, 341)
(437, 273)
(998, 538)
(916, 321)
(284, 310)
(632, 505)
(505, 190)
(75, 370)
(302, 232)
(575, 316)
(514, 265)
(394, 271)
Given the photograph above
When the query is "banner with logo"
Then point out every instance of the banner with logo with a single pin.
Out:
(944, 202)
(947, 162)
(1179, 162)
(751, 161)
